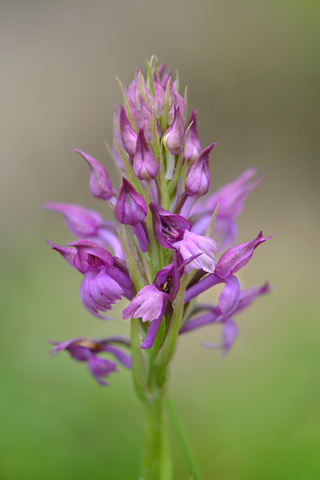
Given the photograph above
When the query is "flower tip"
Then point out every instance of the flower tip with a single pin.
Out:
(52, 245)
(260, 236)
(266, 288)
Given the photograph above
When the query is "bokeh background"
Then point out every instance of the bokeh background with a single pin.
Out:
(252, 70)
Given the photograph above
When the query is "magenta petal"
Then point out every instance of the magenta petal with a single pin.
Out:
(67, 253)
(248, 295)
(231, 197)
(100, 367)
(238, 256)
(98, 292)
(203, 247)
(201, 321)
(145, 165)
(121, 356)
(152, 333)
(100, 183)
(131, 207)
(81, 221)
(147, 304)
(141, 237)
(168, 227)
(229, 297)
(89, 254)
(128, 135)
(192, 147)
(175, 133)
(167, 280)
(59, 346)
(229, 334)
(198, 178)
(79, 353)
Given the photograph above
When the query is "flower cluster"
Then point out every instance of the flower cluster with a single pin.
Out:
(160, 252)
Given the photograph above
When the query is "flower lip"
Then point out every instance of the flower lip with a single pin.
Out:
(89, 254)
(168, 227)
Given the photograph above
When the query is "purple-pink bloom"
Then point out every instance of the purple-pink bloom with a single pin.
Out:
(86, 223)
(172, 231)
(238, 256)
(68, 253)
(128, 135)
(149, 133)
(148, 304)
(168, 227)
(200, 246)
(131, 207)
(198, 178)
(174, 134)
(98, 292)
(192, 147)
(248, 295)
(100, 183)
(87, 349)
(105, 280)
(229, 296)
(231, 196)
(151, 301)
(81, 221)
(90, 255)
(145, 165)
(229, 334)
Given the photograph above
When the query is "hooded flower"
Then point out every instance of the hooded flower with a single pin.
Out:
(128, 135)
(198, 178)
(100, 183)
(105, 280)
(131, 207)
(192, 147)
(168, 227)
(174, 134)
(172, 231)
(151, 301)
(145, 165)
(88, 349)
(203, 247)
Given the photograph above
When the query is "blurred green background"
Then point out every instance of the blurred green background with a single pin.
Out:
(252, 70)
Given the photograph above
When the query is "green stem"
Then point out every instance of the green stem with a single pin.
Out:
(183, 440)
(156, 460)
(138, 364)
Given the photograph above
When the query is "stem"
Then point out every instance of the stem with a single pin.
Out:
(183, 440)
(138, 365)
(156, 460)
